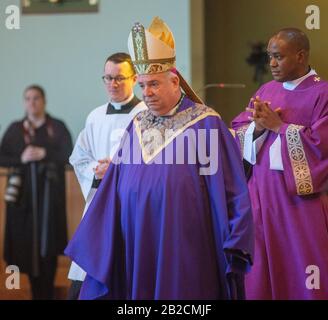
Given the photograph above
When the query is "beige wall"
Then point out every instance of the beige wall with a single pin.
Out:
(230, 25)
(65, 53)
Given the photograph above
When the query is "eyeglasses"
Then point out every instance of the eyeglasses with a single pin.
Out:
(119, 79)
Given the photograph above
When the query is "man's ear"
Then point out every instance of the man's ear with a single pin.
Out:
(134, 79)
(176, 81)
(302, 56)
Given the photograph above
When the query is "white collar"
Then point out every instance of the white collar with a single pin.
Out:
(118, 105)
(291, 85)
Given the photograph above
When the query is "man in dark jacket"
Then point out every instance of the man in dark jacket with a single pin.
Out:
(36, 149)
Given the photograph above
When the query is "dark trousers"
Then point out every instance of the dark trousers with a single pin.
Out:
(43, 287)
(74, 290)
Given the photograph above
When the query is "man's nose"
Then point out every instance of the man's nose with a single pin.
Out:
(113, 83)
(147, 91)
(273, 62)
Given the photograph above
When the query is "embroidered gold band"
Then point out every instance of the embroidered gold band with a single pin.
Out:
(299, 163)
(150, 61)
(168, 130)
(139, 42)
(241, 136)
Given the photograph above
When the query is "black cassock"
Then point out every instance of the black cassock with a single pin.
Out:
(21, 249)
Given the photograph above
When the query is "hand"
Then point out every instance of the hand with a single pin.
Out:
(258, 105)
(33, 153)
(264, 117)
(101, 168)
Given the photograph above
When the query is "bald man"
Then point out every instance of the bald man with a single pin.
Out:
(282, 136)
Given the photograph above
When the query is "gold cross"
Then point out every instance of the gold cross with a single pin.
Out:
(317, 79)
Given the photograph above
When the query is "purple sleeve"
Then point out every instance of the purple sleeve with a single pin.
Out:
(229, 196)
(305, 152)
(92, 243)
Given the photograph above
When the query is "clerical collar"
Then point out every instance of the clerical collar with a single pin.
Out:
(125, 106)
(291, 85)
(118, 105)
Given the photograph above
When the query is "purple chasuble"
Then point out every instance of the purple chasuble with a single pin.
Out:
(290, 207)
(158, 228)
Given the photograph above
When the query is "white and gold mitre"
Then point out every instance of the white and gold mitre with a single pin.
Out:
(152, 50)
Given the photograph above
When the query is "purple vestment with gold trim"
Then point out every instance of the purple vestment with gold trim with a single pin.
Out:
(290, 206)
(159, 227)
